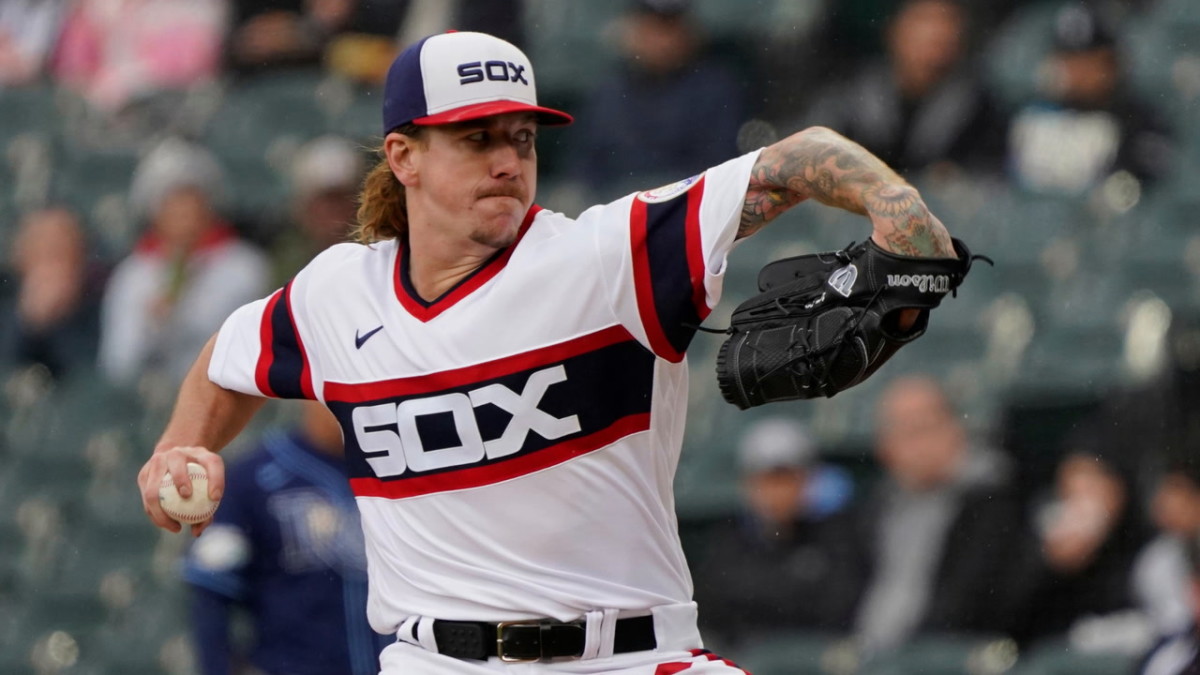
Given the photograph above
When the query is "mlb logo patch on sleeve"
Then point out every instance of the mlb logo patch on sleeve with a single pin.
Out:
(668, 192)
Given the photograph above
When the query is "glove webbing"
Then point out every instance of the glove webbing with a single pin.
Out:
(809, 357)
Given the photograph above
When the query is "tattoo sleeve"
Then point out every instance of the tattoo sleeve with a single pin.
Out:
(820, 164)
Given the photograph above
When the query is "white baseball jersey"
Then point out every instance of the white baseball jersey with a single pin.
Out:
(512, 444)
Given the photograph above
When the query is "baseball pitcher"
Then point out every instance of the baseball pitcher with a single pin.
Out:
(511, 383)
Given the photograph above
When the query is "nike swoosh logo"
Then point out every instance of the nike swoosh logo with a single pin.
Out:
(359, 341)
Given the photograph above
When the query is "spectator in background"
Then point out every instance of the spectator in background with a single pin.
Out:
(1141, 441)
(1090, 532)
(185, 275)
(929, 547)
(1161, 568)
(116, 51)
(28, 32)
(355, 37)
(285, 547)
(325, 178)
(54, 319)
(923, 106)
(1155, 422)
(1179, 654)
(766, 570)
(1086, 126)
(670, 112)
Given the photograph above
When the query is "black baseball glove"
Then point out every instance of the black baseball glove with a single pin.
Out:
(827, 321)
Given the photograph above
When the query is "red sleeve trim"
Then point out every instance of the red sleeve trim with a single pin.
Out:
(266, 354)
(695, 250)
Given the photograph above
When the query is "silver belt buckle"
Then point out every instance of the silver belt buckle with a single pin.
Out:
(500, 641)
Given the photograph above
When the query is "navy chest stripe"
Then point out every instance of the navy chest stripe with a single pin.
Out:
(498, 420)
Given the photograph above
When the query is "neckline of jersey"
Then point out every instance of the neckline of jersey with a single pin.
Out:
(425, 310)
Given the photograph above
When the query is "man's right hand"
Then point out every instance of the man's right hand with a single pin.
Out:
(175, 460)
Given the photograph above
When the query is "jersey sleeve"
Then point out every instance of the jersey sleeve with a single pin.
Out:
(260, 349)
(668, 264)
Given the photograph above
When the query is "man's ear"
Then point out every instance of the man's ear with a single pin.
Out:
(401, 157)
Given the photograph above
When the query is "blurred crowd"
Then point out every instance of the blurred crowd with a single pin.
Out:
(940, 527)
(949, 538)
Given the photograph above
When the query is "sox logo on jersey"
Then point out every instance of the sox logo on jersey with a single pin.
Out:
(403, 449)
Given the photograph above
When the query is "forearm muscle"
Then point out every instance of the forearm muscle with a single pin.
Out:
(820, 164)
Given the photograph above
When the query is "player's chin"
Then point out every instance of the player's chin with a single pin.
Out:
(495, 237)
(499, 223)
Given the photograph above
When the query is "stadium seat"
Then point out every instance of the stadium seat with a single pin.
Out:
(75, 614)
(29, 108)
(258, 191)
(799, 653)
(256, 112)
(1061, 659)
(138, 640)
(1012, 57)
(556, 29)
(360, 118)
(96, 185)
(946, 655)
(1063, 358)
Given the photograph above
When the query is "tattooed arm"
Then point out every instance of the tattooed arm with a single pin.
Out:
(822, 164)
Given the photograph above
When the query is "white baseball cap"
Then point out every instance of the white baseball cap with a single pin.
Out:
(460, 76)
(326, 163)
(776, 443)
(173, 164)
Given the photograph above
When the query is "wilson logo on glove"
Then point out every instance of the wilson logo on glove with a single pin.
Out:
(936, 283)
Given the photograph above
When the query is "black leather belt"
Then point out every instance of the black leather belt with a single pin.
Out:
(529, 641)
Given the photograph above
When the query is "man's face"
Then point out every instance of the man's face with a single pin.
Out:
(1086, 77)
(1176, 505)
(475, 179)
(919, 441)
(926, 40)
(775, 494)
(325, 216)
(183, 217)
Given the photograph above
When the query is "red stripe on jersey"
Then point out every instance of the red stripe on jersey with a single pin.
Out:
(447, 379)
(695, 250)
(671, 668)
(643, 287)
(306, 385)
(266, 355)
(501, 471)
(424, 312)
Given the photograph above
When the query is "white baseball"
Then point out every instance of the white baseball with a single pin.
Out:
(196, 509)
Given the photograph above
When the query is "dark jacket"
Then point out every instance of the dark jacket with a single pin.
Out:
(957, 121)
(753, 580)
(972, 581)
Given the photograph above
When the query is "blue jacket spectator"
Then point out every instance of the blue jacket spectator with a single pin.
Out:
(286, 547)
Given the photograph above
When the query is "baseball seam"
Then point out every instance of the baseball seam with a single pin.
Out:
(184, 518)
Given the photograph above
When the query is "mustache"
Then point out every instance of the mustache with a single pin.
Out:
(502, 190)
